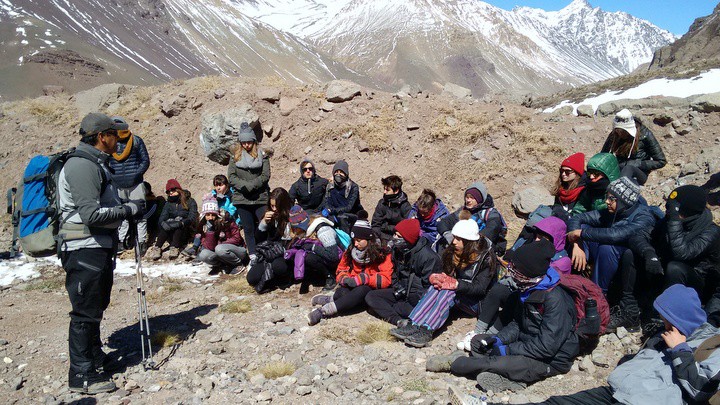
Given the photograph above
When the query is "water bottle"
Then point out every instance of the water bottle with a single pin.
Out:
(592, 318)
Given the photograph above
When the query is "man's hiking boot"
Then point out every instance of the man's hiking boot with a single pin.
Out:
(154, 253)
(190, 252)
(314, 317)
(441, 363)
(457, 397)
(330, 284)
(621, 317)
(402, 332)
(421, 338)
(173, 253)
(497, 383)
(321, 299)
(90, 383)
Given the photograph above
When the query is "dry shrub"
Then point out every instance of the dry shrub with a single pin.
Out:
(49, 110)
(238, 286)
(236, 307)
(46, 285)
(374, 131)
(372, 332)
(169, 286)
(337, 333)
(204, 83)
(472, 127)
(527, 143)
(165, 339)
(277, 369)
(419, 385)
(134, 104)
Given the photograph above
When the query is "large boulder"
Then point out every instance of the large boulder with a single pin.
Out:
(707, 103)
(289, 104)
(219, 131)
(527, 200)
(456, 91)
(269, 94)
(99, 98)
(585, 110)
(339, 91)
(174, 105)
(612, 107)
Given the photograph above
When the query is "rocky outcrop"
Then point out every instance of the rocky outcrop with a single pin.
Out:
(339, 91)
(456, 91)
(528, 199)
(99, 98)
(707, 103)
(219, 130)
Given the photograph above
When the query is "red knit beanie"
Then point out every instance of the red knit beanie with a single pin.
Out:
(409, 229)
(171, 184)
(575, 162)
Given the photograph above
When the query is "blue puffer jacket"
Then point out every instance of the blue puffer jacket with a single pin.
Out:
(129, 173)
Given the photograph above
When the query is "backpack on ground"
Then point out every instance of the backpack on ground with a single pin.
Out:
(37, 203)
(581, 289)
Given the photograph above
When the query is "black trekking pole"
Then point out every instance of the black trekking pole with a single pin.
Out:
(143, 317)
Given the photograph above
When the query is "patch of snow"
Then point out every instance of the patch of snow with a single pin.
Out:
(705, 83)
(21, 30)
(24, 42)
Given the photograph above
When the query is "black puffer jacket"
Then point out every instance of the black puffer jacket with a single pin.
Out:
(694, 241)
(413, 268)
(613, 229)
(543, 329)
(475, 280)
(309, 193)
(388, 214)
(129, 173)
(649, 155)
(173, 210)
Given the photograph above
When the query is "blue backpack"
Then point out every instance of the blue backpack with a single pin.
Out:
(343, 238)
(38, 205)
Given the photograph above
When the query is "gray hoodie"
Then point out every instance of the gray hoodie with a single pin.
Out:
(91, 212)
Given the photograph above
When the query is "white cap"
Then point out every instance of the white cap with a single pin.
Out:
(466, 229)
(624, 120)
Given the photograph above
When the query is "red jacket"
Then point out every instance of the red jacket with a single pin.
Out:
(230, 235)
(377, 276)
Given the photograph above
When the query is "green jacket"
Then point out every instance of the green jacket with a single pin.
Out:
(251, 185)
(590, 200)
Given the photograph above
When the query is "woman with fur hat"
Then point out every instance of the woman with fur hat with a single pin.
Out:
(309, 190)
(365, 266)
(634, 145)
(342, 201)
(222, 244)
(177, 219)
(570, 182)
(249, 175)
(469, 270)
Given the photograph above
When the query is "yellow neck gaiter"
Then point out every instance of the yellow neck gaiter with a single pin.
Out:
(126, 152)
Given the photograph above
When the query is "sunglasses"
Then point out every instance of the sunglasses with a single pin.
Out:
(172, 191)
(594, 173)
(567, 171)
(308, 169)
(610, 197)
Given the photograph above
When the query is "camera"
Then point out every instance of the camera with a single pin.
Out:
(400, 293)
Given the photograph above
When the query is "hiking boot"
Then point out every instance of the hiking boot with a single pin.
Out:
(496, 383)
(214, 270)
(196, 262)
(652, 328)
(154, 253)
(173, 253)
(621, 317)
(441, 363)
(465, 343)
(321, 299)
(90, 383)
(421, 338)
(402, 323)
(190, 252)
(314, 317)
(404, 331)
(458, 398)
(330, 284)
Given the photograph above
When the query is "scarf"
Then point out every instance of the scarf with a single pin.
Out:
(569, 196)
(249, 162)
(126, 152)
(430, 214)
(360, 256)
(460, 264)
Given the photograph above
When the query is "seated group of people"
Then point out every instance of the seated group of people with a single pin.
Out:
(412, 264)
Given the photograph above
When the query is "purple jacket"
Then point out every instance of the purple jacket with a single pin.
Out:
(557, 230)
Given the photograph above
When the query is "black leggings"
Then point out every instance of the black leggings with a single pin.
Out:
(490, 306)
(281, 270)
(316, 266)
(599, 395)
(515, 368)
(177, 237)
(250, 215)
(387, 307)
(349, 298)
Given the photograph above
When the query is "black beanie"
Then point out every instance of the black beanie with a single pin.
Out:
(692, 199)
(533, 259)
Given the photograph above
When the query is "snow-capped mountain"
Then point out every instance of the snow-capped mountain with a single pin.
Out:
(468, 41)
(386, 43)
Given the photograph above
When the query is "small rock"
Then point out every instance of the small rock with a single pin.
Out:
(684, 131)
(621, 332)
(269, 94)
(3, 342)
(214, 339)
(18, 383)
(451, 121)
(220, 93)
(304, 390)
(579, 129)
(585, 110)
(363, 146)
(347, 134)
(327, 106)
(288, 105)
(339, 91)
(335, 389)
(153, 388)
(264, 396)
(278, 317)
(227, 336)
(663, 119)
(599, 359)
(257, 379)
(410, 395)
(477, 154)
(131, 385)
(316, 118)
(587, 365)
(7, 360)
(413, 126)
(332, 368)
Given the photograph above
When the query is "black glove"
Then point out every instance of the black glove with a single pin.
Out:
(134, 209)
(652, 263)
(350, 282)
(672, 209)
(171, 225)
(482, 343)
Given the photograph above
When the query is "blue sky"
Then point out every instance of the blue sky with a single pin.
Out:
(672, 15)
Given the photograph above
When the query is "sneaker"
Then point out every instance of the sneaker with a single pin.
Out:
(196, 262)
(237, 270)
(497, 383)
(314, 317)
(421, 338)
(154, 253)
(321, 299)
(465, 343)
(402, 323)
(90, 383)
(404, 331)
(441, 363)
(630, 321)
(330, 284)
(214, 271)
(173, 253)
(190, 252)
(458, 398)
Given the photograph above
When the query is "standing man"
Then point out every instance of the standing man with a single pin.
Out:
(87, 241)
(130, 162)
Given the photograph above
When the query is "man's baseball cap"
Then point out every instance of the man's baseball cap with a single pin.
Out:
(94, 123)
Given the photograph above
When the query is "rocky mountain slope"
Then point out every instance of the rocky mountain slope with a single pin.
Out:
(379, 44)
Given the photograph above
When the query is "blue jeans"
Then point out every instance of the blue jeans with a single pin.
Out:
(606, 259)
